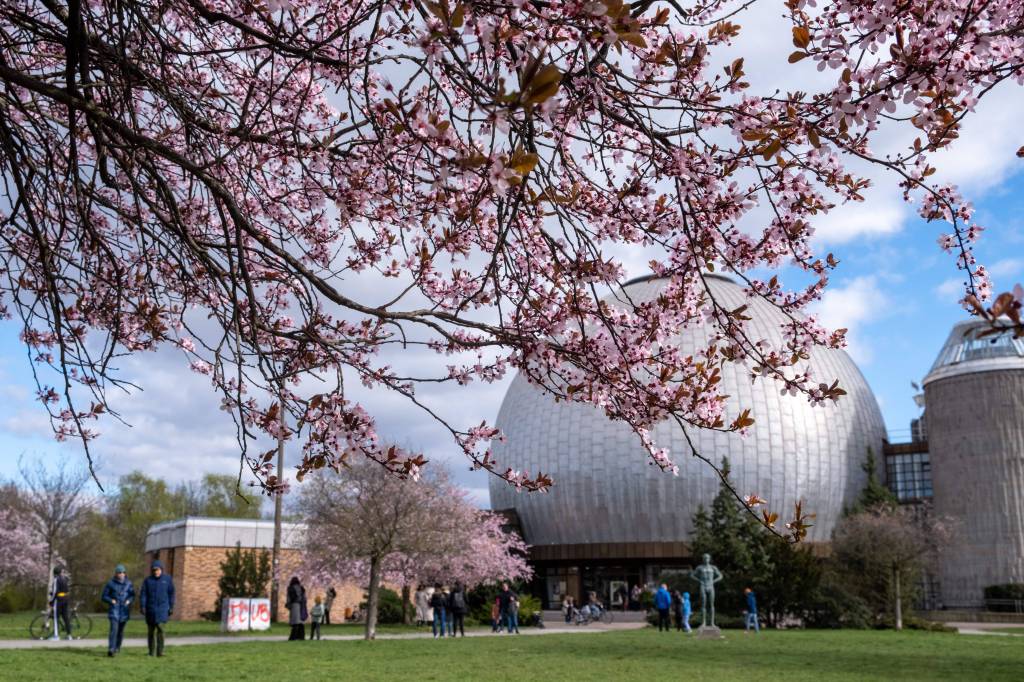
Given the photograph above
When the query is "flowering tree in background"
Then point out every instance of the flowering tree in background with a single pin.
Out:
(285, 189)
(24, 555)
(368, 527)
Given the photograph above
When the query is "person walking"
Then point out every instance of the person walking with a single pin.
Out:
(156, 601)
(751, 619)
(634, 597)
(318, 613)
(567, 609)
(295, 602)
(457, 606)
(687, 609)
(332, 594)
(118, 594)
(663, 602)
(513, 614)
(439, 606)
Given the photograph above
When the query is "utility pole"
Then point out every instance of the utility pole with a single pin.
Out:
(275, 579)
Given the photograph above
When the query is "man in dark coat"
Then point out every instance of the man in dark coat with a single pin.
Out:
(457, 608)
(156, 600)
(60, 599)
(118, 594)
(505, 598)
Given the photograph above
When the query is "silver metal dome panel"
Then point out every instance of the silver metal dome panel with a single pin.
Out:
(605, 491)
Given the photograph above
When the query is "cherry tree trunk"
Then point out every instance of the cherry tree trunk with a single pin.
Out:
(406, 605)
(373, 598)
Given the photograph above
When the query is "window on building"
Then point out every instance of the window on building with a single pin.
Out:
(909, 476)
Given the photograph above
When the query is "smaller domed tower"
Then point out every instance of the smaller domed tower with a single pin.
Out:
(975, 398)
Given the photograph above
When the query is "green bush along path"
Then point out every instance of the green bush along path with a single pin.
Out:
(636, 655)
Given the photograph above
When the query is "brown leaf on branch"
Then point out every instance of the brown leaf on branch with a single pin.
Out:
(801, 37)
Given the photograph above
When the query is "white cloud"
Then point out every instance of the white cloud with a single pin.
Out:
(951, 289)
(1006, 266)
(880, 213)
(853, 306)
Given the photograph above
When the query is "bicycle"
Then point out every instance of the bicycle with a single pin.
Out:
(42, 625)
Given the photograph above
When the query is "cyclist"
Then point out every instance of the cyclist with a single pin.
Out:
(60, 600)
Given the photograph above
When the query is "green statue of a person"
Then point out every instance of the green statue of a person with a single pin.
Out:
(707, 575)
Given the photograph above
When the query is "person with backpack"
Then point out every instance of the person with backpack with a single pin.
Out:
(117, 595)
(457, 608)
(438, 603)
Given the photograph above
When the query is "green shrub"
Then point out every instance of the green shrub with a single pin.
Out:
(389, 607)
(1004, 591)
(14, 598)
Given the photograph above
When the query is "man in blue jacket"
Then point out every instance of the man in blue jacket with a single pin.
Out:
(751, 619)
(156, 600)
(118, 594)
(663, 602)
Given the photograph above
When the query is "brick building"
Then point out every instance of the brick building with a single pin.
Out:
(193, 548)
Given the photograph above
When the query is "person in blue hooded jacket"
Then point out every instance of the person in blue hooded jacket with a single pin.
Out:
(156, 600)
(118, 594)
(751, 616)
(663, 602)
(687, 610)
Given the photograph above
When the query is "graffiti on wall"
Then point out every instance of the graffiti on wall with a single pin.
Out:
(240, 614)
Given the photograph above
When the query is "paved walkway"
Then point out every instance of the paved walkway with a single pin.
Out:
(988, 629)
(138, 642)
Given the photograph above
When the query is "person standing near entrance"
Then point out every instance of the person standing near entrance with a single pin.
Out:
(118, 595)
(156, 601)
(663, 602)
(751, 619)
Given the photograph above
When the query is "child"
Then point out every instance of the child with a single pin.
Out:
(318, 617)
(495, 617)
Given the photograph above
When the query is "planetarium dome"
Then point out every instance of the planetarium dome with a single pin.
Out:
(605, 491)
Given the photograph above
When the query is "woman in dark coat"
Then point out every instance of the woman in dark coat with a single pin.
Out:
(296, 605)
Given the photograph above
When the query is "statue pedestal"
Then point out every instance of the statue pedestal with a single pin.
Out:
(709, 632)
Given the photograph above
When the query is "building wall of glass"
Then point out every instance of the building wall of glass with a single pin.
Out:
(909, 476)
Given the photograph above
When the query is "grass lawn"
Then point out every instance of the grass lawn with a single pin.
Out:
(15, 626)
(610, 657)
